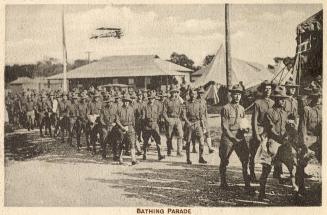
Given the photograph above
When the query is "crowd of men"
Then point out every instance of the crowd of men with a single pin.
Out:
(284, 130)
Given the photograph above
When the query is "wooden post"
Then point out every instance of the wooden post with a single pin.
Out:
(228, 49)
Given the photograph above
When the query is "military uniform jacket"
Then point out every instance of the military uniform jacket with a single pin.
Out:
(204, 108)
(291, 107)
(193, 111)
(138, 107)
(83, 110)
(42, 107)
(150, 115)
(261, 107)
(95, 108)
(30, 106)
(231, 114)
(275, 123)
(108, 115)
(73, 109)
(63, 108)
(311, 122)
(172, 108)
(125, 115)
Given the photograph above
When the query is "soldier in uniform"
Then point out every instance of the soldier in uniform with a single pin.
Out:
(206, 132)
(62, 112)
(30, 108)
(150, 117)
(276, 147)
(291, 107)
(73, 114)
(93, 114)
(42, 109)
(194, 124)
(261, 106)
(81, 122)
(125, 121)
(232, 137)
(138, 106)
(107, 122)
(172, 110)
(16, 110)
(310, 132)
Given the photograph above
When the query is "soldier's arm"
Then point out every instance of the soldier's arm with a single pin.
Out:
(165, 109)
(254, 123)
(225, 123)
(117, 121)
(269, 124)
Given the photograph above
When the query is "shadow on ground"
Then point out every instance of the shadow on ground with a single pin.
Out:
(198, 185)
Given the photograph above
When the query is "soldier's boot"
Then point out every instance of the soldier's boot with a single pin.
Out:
(253, 177)
(209, 142)
(41, 133)
(194, 147)
(144, 151)
(134, 161)
(248, 189)
(222, 171)
(138, 148)
(179, 147)
(201, 159)
(263, 180)
(160, 156)
(277, 171)
(169, 146)
(78, 142)
(188, 156)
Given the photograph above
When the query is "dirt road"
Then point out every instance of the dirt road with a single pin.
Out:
(64, 177)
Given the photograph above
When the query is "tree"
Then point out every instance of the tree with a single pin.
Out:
(207, 60)
(181, 59)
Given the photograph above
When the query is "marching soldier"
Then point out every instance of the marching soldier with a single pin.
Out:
(150, 117)
(82, 122)
(261, 106)
(73, 113)
(233, 138)
(62, 111)
(204, 109)
(172, 110)
(291, 107)
(93, 115)
(42, 109)
(107, 122)
(194, 125)
(125, 121)
(30, 113)
(310, 132)
(277, 148)
(138, 107)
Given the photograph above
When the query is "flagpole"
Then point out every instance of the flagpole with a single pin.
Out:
(228, 49)
(64, 51)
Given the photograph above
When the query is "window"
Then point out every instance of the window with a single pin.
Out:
(130, 81)
(115, 81)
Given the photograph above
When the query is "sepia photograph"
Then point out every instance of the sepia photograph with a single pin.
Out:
(158, 106)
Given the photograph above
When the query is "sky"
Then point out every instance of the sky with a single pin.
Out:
(258, 32)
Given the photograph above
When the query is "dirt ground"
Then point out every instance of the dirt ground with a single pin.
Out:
(65, 177)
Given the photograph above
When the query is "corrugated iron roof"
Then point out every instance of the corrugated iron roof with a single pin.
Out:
(125, 66)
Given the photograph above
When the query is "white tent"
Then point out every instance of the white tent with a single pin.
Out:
(251, 74)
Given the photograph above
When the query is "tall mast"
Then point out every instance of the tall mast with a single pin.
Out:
(228, 49)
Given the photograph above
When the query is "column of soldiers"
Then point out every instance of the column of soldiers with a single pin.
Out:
(284, 131)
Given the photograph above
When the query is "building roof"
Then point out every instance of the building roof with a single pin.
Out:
(249, 73)
(125, 66)
(22, 80)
